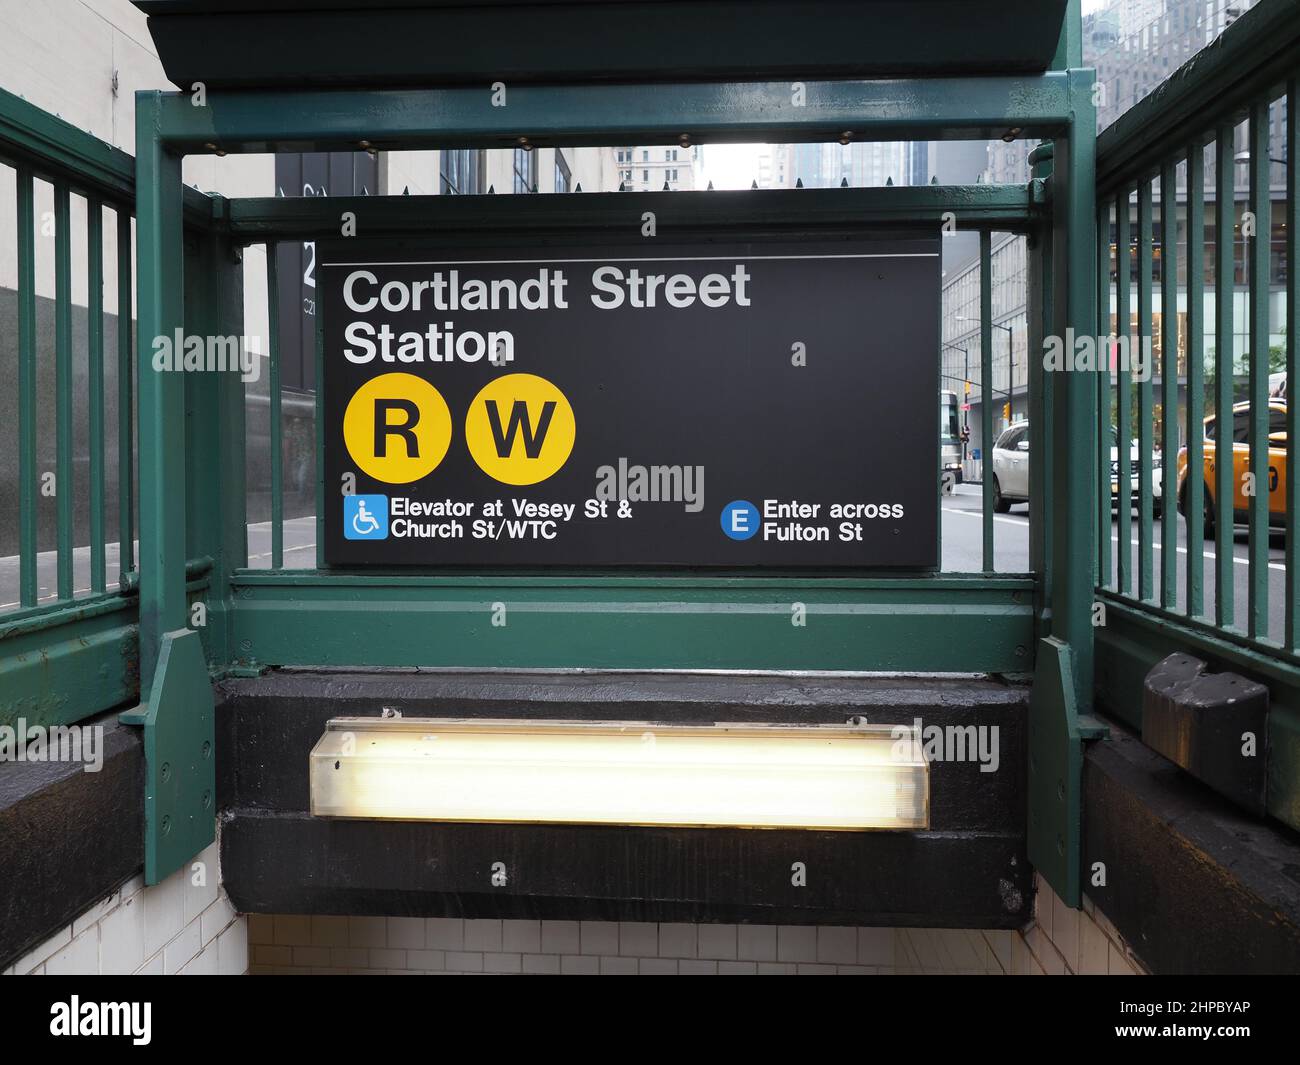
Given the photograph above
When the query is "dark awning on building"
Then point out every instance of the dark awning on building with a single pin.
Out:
(314, 43)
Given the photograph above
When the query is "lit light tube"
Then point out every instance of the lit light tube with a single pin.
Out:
(622, 773)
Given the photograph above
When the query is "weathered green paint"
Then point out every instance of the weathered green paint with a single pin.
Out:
(987, 473)
(1292, 487)
(1195, 379)
(1225, 215)
(1063, 662)
(1057, 730)
(95, 399)
(1039, 294)
(64, 489)
(1145, 389)
(887, 624)
(1105, 415)
(578, 115)
(1261, 275)
(1168, 380)
(215, 431)
(69, 662)
(180, 756)
(27, 525)
(161, 416)
(125, 398)
(1124, 391)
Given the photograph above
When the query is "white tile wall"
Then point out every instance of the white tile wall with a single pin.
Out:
(187, 928)
(1059, 941)
(185, 925)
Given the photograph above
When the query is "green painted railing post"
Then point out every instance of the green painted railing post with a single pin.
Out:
(214, 293)
(1063, 677)
(160, 318)
(1075, 400)
(176, 708)
(1039, 292)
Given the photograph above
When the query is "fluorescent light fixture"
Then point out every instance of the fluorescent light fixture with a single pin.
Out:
(622, 773)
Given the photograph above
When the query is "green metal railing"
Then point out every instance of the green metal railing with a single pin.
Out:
(65, 654)
(72, 650)
(1156, 162)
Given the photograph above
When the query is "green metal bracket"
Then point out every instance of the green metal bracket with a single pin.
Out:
(1057, 732)
(180, 764)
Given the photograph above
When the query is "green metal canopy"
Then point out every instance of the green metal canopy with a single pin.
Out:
(421, 43)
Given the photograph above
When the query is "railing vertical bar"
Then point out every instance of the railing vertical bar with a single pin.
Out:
(1168, 380)
(125, 400)
(1123, 395)
(95, 370)
(1292, 487)
(1146, 415)
(277, 486)
(27, 494)
(63, 384)
(1260, 276)
(986, 392)
(1195, 384)
(1103, 575)
(1225, 216)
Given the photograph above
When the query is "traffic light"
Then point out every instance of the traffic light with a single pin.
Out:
(1006, 412)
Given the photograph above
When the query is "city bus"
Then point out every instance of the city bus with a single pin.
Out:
(950, 443)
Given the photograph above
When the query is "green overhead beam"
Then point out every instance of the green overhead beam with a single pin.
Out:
(599, 114)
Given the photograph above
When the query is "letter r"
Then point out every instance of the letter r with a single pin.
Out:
(383, 430)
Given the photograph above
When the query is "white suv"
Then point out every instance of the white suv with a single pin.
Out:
(1011, 470)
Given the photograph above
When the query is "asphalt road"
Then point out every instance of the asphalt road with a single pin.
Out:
(963, 551)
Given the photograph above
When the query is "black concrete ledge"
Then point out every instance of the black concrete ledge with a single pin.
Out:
(970, 870)
(294, 863)
(1194, 884)
(68, 838)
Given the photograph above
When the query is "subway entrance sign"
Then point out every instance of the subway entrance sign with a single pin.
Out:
(751, 405)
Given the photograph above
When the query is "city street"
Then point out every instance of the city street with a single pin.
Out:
(962, 552)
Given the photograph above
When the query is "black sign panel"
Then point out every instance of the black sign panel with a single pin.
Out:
(767, 404)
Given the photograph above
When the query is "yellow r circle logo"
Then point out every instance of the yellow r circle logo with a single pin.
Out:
(397, 428)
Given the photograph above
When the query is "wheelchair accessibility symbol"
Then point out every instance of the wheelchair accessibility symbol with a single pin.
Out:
(365, 517)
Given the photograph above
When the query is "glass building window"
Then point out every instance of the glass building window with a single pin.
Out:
(525, 171)
(462, 172)
(563, 176)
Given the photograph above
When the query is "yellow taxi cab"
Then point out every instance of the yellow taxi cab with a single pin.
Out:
(1275, 481)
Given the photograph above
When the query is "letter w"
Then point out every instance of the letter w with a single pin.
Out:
(519, 422)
